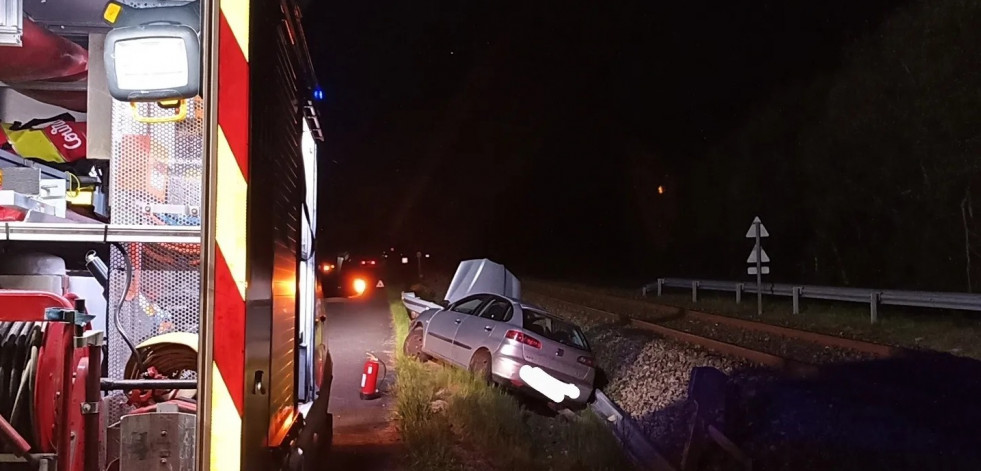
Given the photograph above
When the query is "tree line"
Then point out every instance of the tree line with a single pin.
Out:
(868, 176)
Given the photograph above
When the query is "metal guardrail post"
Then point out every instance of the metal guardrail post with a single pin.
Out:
(739, 293)
(796, 290)
(660, 286)
(694, 292)
(874, 308)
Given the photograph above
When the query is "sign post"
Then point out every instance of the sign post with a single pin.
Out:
(419, 260)
(758, 257)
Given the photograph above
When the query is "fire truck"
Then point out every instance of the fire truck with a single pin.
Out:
(159, 295)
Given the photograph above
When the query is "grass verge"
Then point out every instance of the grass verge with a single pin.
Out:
(450, 421)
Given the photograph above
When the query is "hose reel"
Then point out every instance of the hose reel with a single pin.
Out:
(172, 355)
(20, 344)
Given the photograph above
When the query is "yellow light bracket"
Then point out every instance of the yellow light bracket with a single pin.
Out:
(179, 107)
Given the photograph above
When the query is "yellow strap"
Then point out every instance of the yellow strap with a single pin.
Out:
(180, 115)
(78, 186)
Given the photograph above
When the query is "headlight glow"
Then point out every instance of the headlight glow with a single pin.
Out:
(360, 286)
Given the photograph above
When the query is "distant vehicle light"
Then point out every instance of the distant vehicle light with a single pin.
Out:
(405, 260)
(427, 255)
(660, 190)
(360, 286)
(372, 262)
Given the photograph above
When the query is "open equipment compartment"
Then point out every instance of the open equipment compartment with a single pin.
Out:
(112, 203)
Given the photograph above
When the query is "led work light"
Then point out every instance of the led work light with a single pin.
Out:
(153, 53)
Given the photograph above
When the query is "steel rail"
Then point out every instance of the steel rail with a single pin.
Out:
(673, 312)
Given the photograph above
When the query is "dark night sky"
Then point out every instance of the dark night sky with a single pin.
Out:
(536, 133)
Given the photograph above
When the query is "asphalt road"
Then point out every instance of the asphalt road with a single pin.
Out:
(364, 433)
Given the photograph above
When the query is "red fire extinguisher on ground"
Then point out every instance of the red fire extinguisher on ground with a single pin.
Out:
(369, 378)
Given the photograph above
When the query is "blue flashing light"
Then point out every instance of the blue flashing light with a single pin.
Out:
(318, 94)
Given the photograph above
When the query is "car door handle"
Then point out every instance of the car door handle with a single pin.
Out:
(488, 328)
(457, 321)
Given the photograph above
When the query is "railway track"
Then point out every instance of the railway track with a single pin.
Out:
(792, 351)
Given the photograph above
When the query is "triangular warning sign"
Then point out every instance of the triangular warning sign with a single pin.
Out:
(751, 234)
(380, 284)
(757, 250)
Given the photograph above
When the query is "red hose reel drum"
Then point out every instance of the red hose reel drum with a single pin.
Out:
(42, 346)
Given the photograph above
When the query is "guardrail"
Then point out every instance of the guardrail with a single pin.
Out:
(632, 439)
(875, 298)
(416, 305)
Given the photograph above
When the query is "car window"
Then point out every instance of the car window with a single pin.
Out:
(497, 310)
(468, 305)
(554, 329)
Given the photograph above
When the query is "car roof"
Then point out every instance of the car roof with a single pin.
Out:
(524, 305)
(518, 302)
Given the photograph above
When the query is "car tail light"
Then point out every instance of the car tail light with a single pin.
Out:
(586, 361)
(520, 337)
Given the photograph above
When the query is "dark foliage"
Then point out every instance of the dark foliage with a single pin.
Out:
(864, 177)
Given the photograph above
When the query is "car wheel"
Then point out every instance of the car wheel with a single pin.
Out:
(413, 346)
(480, 366)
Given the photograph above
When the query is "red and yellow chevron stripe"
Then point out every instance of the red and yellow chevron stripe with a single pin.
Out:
(232, 180)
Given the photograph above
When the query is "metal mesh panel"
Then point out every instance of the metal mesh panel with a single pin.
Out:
(163, 296)
(155, 176)
(155, 165)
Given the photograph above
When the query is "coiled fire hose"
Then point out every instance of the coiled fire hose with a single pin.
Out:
(20, 343)
(173, 356)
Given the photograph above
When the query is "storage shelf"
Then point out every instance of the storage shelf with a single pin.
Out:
(21, 202)
(98, 233)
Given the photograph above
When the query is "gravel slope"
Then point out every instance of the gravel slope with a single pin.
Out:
(917, 413)
(648, 376)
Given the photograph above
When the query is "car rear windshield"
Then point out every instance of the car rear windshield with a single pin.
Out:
(554, 329)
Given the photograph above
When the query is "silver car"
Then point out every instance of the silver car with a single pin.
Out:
(495, 336)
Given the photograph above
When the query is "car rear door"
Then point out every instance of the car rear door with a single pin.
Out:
(485, 329)
(444, 324)
(551, 353)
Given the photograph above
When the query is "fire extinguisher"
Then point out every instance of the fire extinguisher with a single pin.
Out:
(369, 378)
